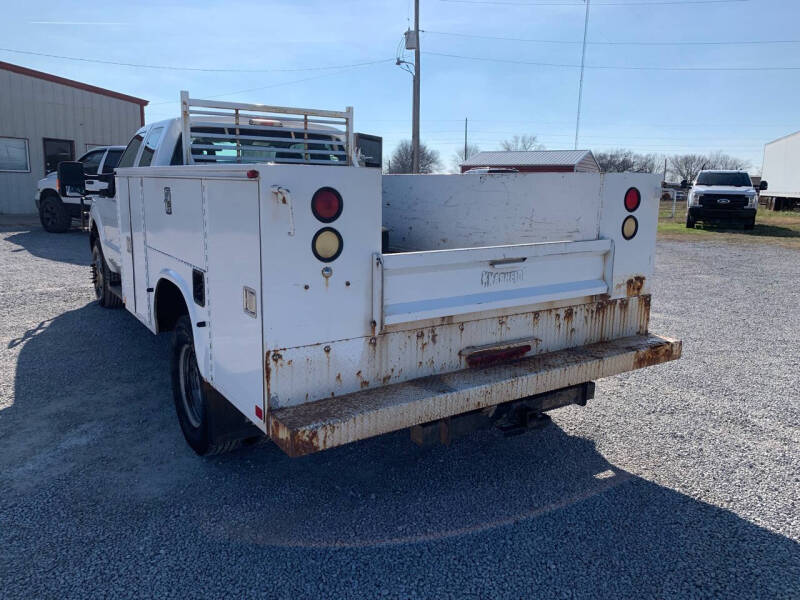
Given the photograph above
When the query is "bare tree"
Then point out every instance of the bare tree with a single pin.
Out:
(622, 161)
(458, 157)
(400, 161)
(720, 160)
(521, 142)
(687, 166)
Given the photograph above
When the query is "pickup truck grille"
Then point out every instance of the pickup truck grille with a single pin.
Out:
(714, 201)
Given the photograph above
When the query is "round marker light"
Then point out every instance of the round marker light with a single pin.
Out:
(326, 204)
(632, 199)
(327, 244)
(629, 227)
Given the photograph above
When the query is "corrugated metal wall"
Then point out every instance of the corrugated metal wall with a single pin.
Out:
(587, 165)
(35, 109)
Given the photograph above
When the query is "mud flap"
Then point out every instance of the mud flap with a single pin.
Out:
(225, 422)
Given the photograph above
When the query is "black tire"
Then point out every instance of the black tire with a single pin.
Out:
(750, 225)
(53, 215)
(689, 222)
(103, 278)
(190, 394)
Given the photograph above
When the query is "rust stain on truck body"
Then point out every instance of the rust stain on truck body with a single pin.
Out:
(332, 422)
(324, 370)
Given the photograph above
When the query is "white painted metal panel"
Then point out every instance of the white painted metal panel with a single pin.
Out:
(141, 307)
(424, 285)
(174, 212)
(781, 168)
(436, 212)
(125, 253)
(234, 265)
(301, 305)
(634, 259)
(309, 373)
(106, 209)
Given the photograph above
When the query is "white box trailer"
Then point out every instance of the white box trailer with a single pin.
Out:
(781, 170)
(498, 291)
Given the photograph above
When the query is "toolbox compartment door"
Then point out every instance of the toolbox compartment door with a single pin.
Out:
(414, 286)
(234, 296)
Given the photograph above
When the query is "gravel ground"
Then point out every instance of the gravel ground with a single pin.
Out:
(678, 481)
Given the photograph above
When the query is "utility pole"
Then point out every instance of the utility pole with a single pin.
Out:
(580, 86)
(465, 140)
(415, 117)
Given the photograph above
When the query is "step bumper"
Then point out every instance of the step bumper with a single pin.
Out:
(332, 422)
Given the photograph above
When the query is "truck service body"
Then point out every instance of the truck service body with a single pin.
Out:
(261, 247)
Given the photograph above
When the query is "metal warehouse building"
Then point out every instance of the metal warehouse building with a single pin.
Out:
(45, 119)
(535, 161)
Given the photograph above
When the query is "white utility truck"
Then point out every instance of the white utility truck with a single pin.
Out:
(254, 235)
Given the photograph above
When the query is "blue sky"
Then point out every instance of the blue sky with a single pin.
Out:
(663, 111)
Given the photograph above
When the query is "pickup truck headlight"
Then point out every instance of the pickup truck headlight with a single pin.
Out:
(694, 199)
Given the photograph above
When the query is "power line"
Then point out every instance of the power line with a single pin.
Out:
(608, 67)
(263, 87)
(529, 123)
(618, 43)
(655, 3)
(200, 69)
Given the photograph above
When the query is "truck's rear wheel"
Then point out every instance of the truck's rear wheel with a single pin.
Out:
(53, 215)
(191, 401)
(102, 278)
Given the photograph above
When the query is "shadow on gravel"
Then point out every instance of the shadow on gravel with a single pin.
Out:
(69, 247)
(91, 445)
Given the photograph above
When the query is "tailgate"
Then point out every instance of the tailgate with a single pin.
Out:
(414, 286)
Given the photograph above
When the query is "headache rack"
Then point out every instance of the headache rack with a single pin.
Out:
(233, 132)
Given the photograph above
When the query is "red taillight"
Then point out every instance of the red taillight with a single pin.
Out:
(252, 174)
(326, 204)
(632, 199)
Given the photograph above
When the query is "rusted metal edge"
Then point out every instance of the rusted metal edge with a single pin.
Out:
(332, 422)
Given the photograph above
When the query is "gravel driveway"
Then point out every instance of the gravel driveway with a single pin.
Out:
(677, 481)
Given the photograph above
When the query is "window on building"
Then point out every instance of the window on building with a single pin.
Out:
(91, 161)
(14, 155)
(150, 146)
(127, 158)
(56, 151)
(112, 160)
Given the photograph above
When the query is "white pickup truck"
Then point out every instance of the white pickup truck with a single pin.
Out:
(722, 196)
(56, 212)
(253, 234)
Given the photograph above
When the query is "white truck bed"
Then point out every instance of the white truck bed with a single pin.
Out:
(381, 324)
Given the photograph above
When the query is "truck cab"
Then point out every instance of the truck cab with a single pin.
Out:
(721, 196)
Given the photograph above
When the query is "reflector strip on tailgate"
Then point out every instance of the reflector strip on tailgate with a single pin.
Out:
(412, 286)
